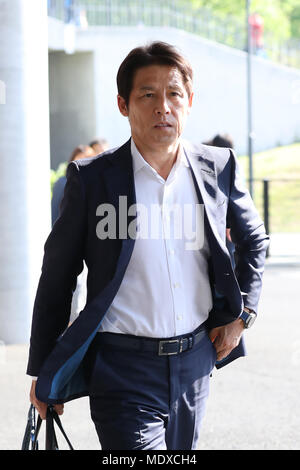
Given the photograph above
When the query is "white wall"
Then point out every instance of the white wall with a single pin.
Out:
(220, 87)
(24, 153)
(72, 103)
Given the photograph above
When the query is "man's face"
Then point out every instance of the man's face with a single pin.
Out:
(158, 107)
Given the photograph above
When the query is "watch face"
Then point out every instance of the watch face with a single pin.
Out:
(250, 320)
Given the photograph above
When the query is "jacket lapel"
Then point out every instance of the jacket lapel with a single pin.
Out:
(205, 178)
(119, 181)
(118, 177)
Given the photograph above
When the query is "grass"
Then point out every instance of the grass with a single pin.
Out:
(281, 166)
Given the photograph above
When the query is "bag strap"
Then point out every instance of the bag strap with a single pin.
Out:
(35, 431)
(58, 422)
(50, 440)
(30, 430)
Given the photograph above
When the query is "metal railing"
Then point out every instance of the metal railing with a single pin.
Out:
(171, 13)
(278, 202)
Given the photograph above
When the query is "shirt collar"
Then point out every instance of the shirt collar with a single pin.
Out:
(139, 162)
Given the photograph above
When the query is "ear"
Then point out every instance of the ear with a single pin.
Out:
(190, 102)
(122, 106)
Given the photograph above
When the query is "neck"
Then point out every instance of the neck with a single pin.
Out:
(161, 159)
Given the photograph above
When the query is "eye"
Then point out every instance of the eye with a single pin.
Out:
(149, 95)
(175, 93)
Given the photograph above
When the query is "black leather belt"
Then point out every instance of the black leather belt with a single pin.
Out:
(162, 347)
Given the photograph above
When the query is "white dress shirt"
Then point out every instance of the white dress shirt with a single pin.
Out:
(165, 290)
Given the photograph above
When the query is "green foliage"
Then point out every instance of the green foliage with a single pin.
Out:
(295, 22)
(56, 174)
(281, 17)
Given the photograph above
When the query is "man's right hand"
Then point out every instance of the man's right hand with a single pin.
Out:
(40, 406)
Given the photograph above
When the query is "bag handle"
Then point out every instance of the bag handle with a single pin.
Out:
(51, 417)
(36, 430)
(32, 430)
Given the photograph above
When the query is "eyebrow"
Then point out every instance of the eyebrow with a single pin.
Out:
(149, 87)
(146, 87)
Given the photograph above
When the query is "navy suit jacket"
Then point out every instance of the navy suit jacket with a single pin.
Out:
(57, 352)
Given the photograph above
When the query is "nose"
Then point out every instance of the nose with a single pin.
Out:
(162, 106)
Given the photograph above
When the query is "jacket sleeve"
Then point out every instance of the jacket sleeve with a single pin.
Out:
(62, 263)
(249, 236)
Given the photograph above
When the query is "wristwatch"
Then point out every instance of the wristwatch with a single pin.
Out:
(248, 318)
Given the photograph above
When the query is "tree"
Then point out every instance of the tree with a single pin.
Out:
(281, 17)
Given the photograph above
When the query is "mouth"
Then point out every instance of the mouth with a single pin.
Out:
(162, 125)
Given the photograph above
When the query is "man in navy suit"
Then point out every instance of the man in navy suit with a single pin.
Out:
(164, 304)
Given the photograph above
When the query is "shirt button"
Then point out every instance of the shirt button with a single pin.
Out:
(179, 317)
(176, 285)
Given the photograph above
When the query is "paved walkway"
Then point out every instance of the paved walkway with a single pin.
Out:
(254, 401)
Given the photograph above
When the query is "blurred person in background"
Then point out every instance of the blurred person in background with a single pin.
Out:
(256, 23)
(82, 151)
(75, 13)
(221, 140)
(69, 6)
(99, 145)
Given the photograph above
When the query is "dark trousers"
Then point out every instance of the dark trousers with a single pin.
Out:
(140, 400)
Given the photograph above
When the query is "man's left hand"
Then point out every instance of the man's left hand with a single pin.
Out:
(226, 338)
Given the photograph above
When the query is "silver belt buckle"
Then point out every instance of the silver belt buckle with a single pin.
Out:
(160, 347)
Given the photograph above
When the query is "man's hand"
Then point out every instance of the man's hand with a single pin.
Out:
(227, 337)
(40, 406)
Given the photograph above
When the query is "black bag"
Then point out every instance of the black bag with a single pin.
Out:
(30, 440)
